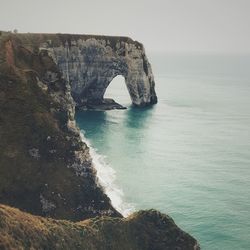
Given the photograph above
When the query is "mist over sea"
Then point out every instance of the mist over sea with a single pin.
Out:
(189, 155)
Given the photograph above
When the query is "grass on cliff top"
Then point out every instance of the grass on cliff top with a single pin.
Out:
(147, 230)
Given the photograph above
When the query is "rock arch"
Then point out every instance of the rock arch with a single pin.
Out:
(89, 64)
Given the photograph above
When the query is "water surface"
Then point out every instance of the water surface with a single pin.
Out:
(189, 155)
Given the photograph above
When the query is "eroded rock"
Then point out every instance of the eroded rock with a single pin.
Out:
(89, 64)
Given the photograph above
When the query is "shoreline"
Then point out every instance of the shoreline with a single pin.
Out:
(106, 177)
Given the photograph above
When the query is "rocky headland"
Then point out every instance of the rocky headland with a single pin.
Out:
(45, 167)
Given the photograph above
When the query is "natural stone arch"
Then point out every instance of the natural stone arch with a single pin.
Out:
(90, 64)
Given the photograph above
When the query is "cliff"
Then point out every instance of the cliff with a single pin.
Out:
(90, 64)
(45, 167)
(145, 230)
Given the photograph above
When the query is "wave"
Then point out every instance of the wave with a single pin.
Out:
(106, 176)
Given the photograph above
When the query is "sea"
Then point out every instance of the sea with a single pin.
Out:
(188, 156)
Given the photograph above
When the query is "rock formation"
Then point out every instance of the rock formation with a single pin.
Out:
(89, 63)
(45, 167)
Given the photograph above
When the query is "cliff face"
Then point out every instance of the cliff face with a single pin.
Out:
(45, 168)
(90, 63)
(144, 230)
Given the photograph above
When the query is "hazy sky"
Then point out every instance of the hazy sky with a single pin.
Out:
(169, 25)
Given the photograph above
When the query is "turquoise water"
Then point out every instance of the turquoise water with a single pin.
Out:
(189, 155)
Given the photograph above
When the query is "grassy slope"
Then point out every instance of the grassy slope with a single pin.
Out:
(143, 230)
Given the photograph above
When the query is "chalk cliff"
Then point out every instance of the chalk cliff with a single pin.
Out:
(45, 167)
(89, 63)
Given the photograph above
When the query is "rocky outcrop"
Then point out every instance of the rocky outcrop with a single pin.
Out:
(144, 230)
(89, 64)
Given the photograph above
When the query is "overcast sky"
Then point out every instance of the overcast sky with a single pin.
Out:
(162, 25)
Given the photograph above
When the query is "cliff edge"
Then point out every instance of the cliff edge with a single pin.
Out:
(144, 230)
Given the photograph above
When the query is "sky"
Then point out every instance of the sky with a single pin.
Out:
(210, 26)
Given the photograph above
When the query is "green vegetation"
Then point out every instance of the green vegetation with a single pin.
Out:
(143, 230)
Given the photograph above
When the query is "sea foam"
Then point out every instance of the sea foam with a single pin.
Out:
(106, 177)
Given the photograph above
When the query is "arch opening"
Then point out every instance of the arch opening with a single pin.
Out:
(118, 92)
